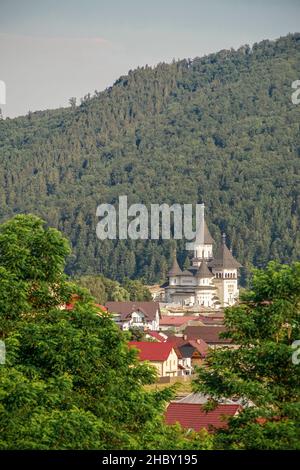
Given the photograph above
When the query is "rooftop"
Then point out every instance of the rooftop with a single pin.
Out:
(126, 308)
(187, 347)
(169, 320)
(175, 269)
(224, 258)
(203, 272)
(192, 415)
(210, 334)
(148, 351)
(208, 239)
(156, 335)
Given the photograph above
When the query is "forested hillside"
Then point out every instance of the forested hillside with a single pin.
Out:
(220, 129)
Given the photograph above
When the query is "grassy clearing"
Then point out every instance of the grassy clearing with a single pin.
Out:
(184, 387)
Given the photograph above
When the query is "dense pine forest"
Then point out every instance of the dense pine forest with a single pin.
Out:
(220, 129)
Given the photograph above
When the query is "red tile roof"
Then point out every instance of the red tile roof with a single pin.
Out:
(200, 345)
(176, 340)
(210, 334)
(212, 320)
(175, 320)
(156, 335)
(192, 416)
(152, 351)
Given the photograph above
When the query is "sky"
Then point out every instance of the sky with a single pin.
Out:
(52, 50)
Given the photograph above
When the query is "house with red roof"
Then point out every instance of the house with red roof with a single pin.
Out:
(156, 336)
(209, 334)
(161, 355)
(190, 353)
(193, 416)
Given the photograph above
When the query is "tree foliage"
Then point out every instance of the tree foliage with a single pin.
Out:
(104, 289)
(220, 129)
(69, 380)
(261, 370)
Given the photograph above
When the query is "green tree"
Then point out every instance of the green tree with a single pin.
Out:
(160, 135)
(137, 291)
(96, 286)
(69, 380)
(261, 369)
(136, 334)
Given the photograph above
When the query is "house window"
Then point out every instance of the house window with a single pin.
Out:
(136, 318)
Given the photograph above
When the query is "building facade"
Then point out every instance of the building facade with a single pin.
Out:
(160, 355)
(211, 281)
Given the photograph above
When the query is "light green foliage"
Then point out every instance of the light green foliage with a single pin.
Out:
(104, 289)
(137, 291)
(69, 380)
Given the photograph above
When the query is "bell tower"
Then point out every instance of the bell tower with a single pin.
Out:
(225, 269)
(203, 250)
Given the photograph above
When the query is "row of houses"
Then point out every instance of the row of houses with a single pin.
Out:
(178, 355)
(172, 357)
(181, 344)
(174, 345)
(148, 316)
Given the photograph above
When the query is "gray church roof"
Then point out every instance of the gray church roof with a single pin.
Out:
(224, 258)
(208, 239)
(203, 271)
(175, 269)
(186, 272)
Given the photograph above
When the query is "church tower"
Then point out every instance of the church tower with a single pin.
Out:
(225, 268)
(203, 249)
(175, 272)
(211, 282)
(205, 289)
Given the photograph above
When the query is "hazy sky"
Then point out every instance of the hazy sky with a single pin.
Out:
(51, 50)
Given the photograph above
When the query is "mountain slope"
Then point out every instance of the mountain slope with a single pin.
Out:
(220, 129)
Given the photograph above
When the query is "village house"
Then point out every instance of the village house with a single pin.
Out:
(144, 315)
(156, 336)
(176, 323)
(161, 355)
(209, 334)
(190, 353)
(216, 319)
(191, 416)
(184, 363)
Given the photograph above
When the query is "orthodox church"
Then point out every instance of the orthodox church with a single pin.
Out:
(211, 281)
